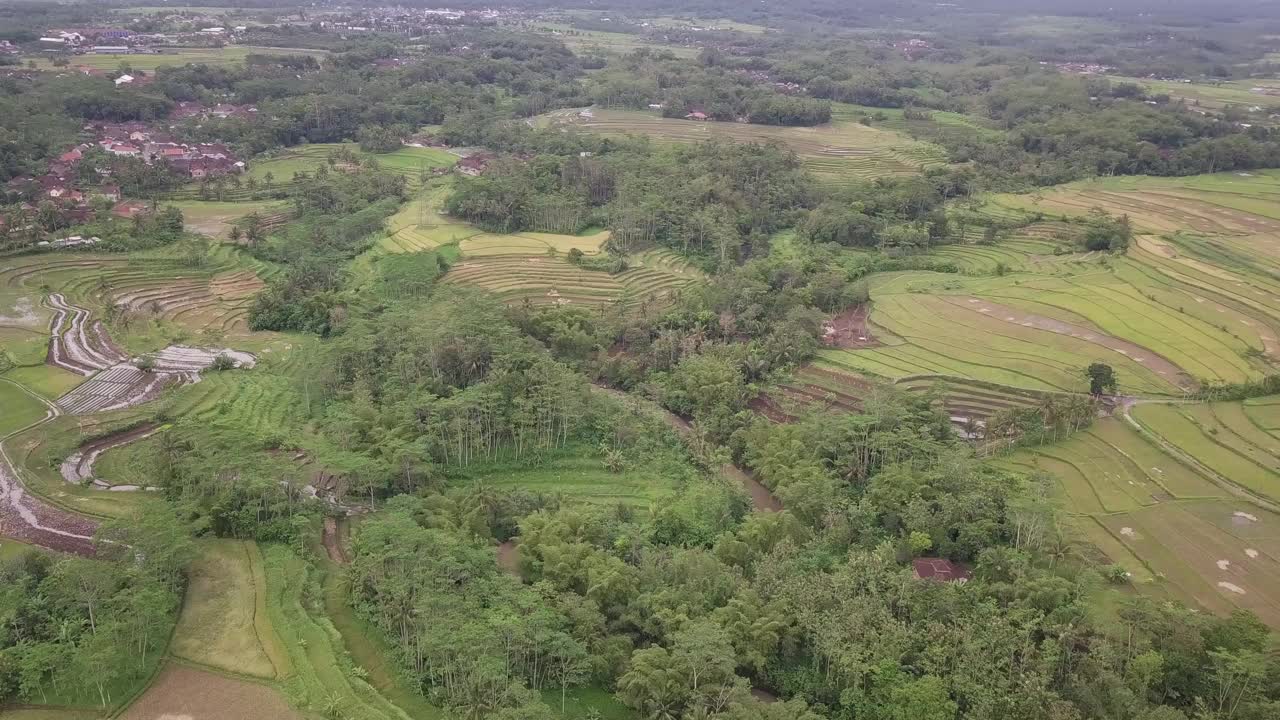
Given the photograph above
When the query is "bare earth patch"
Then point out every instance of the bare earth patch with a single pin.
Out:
(185, 693)
(849, 330)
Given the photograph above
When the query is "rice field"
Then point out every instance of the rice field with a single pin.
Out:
(215, 219)
(1159, 495)
(1213, 95)
(652, 278)
(172, 57)
(180, 691)
(597, 42)
(164, 299)
(224, 622)
(841, 151)
(1193, 301)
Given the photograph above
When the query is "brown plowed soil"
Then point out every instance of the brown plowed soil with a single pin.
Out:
(185, 693)
(768, 407)
(850, 330)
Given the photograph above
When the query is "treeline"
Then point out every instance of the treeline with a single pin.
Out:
(682, 609)
(713, 200)
(643, 79)
(500, 75)
(336, 214)
(447, 384)
(79, 631)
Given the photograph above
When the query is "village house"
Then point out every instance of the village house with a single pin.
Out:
(940, 569)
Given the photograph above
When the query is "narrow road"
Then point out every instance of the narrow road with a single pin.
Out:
(27, 518)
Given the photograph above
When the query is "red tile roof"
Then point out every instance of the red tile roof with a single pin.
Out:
(940, 569)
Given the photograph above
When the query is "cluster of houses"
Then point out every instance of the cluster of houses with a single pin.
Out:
(123, 41)
(913, 47)
(136, 139)
(764, 78)
(70, 241)
(1082, 68)
(62, 183)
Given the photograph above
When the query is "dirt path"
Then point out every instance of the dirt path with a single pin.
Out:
(761, 498)
(509, 557)
(1162, 366)
(26, 517)
(331, 538)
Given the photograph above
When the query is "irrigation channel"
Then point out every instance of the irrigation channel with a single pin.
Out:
(29, 519)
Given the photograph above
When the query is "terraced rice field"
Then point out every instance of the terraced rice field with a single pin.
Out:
(1168, 497)
(969, 337)
(158, 292)
(653, 277)
(224, 621)
(841, 151)
(215, 219)
(422, 225)
(1193, 301)
(822, 386)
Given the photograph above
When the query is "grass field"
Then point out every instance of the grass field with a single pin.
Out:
(20, 409)
(224, 622)
(224, 56)
(841, 151)
(45, 380)
(10, 549)
(1171, 518)
(588, 704)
